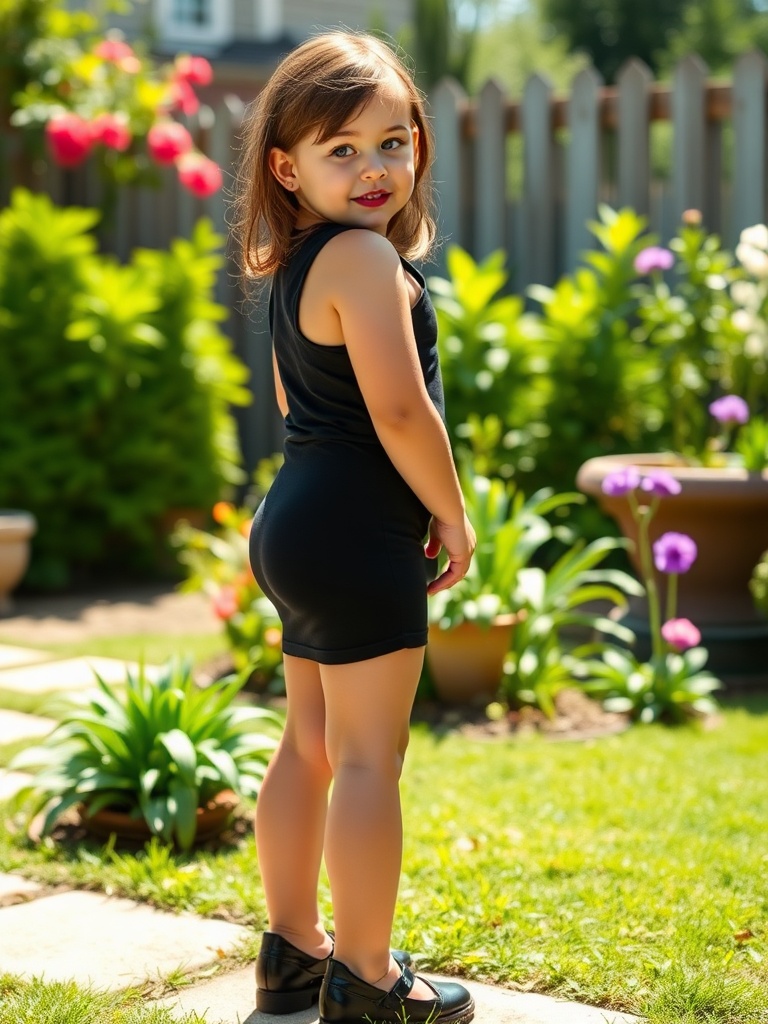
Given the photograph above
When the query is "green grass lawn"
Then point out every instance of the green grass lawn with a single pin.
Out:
(629, 872)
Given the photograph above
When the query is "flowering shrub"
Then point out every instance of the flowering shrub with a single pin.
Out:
(96, 97)
(672, 685)
(709, 328)
(218, 564)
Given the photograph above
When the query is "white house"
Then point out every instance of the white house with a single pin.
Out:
(244, 39)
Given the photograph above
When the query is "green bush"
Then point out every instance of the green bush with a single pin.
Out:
(115, 387)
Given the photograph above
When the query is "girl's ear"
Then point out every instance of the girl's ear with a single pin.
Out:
(282, 166)
(415, 134)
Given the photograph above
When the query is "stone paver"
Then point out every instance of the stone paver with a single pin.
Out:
(15, 885)
(11, 783)
(110, 943)
(229, 999)
(10, 655)
(67, 675)
(16, 726)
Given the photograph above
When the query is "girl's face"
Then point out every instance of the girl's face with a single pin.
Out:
(362, 176)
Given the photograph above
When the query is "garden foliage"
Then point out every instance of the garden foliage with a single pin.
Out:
(115, 387)
(618, 358)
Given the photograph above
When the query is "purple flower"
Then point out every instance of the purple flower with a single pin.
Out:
(730, 409)
(674, 552)
(653, 258)
(621, 481)
(660, 483)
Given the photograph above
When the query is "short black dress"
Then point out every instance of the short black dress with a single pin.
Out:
(338, 542)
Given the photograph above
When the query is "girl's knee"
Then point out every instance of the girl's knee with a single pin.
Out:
(308, 745)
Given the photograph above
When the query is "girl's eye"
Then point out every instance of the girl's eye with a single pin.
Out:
(393, 143)
(342, 151)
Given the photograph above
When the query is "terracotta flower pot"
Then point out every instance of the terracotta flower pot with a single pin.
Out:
(466, 663)
(16, 529)
(725, 511)
(211, 820)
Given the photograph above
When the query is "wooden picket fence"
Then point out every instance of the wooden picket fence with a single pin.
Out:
(524, 175)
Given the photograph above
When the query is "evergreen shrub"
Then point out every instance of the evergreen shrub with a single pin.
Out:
(115, 389)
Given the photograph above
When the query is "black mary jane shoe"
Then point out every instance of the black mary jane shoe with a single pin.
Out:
(347, 999)
(288, 980)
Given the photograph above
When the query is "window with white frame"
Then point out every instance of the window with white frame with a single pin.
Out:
(269, 19)
(199, 23)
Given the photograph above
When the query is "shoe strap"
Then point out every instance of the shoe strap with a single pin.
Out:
(402, 987)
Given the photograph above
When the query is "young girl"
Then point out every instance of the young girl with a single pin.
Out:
(333, 198)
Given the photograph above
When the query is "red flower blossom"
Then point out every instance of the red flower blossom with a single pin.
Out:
(200, 175)
(167, 141)
(195, 70)
(225, 603)
(182, 97)
(112, 131)
(70, 139)
(113, 50)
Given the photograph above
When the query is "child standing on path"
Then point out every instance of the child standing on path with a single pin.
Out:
(334, 198)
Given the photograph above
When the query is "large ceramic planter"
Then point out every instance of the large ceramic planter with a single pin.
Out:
(725, 510)
(211, 821)
(466, 663)
(16, 530)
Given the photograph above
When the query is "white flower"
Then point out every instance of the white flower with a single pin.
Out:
(716, 282)
(743, 320)
(756, 236)
(754, 346)
(744, 293)
(753, 260)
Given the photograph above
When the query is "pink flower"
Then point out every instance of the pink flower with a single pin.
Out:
(621, 481)
(167, 141)
(112, 131)
(195, 70)
(681, 634)
(225, 603)
(116, 52)
(70, 139)
(200, 175)
(182, 97)
(653, 258)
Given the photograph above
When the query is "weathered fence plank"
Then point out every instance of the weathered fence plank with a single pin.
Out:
(634, 149)
(536, 253)
(749, 116)
(491, 171)
(447, 102)
(690, 151)
(583, 162)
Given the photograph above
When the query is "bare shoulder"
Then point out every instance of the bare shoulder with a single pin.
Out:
(352, 259)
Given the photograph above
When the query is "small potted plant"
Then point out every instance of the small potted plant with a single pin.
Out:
(16, 530)
(472, 625)
(161, 757)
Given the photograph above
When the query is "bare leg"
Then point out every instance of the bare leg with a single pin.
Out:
(291, 811)
(368, 707)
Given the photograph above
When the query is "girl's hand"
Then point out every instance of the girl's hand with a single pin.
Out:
(459, 543)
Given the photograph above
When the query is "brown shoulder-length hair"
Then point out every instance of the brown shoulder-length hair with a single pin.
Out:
(315, 90)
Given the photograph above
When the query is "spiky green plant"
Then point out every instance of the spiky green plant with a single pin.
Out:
(158, 749)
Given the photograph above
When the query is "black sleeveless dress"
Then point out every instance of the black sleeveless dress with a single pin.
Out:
(338, 542)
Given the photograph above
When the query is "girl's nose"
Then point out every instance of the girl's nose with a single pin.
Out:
(374, 169)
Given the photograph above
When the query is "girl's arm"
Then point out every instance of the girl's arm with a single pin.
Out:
(367, 289)
(282, 401)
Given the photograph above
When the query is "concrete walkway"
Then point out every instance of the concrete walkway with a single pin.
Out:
(116, 943)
